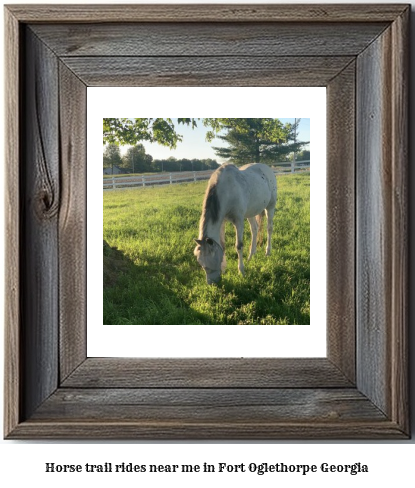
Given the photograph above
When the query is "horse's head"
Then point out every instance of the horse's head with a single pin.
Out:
(209, 255)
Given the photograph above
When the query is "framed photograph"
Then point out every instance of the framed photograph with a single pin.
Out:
(53, 389)
(156, 301)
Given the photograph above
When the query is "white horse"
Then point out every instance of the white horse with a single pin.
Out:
(234, 194)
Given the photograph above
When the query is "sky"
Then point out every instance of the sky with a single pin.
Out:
(194, 144)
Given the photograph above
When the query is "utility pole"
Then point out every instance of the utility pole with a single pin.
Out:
(132, 160)
(295, 142)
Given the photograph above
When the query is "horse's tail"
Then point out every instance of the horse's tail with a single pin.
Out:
(260, 219)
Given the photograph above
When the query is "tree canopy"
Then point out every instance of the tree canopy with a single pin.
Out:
(258, 140)
(135, 160)
(254, 140)
(112, 156)
(132, 131)
(303, 155)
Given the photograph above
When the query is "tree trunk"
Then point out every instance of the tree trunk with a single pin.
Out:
(257, 152)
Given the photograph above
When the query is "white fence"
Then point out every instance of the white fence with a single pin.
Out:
(123, 182)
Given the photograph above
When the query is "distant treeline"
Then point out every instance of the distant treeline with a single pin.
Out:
(173, 164)
(135, 160)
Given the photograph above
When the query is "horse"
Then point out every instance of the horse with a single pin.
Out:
(234, 194)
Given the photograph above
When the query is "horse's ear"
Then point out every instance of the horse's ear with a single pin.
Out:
(209, 241)
(198, 241)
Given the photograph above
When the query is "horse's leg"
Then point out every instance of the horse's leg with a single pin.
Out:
(222, 243)
(254, 232)
(239, 226)
(270, 224)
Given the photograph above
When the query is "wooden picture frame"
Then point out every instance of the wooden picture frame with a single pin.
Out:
(360, 53)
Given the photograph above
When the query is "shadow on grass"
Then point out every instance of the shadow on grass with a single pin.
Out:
(167, 294)
(136, 295)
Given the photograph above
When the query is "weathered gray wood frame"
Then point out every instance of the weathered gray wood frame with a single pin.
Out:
(359, 52)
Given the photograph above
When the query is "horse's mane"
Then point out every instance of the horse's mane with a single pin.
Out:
(211, 204)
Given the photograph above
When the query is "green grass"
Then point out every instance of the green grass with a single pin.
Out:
(152, 277)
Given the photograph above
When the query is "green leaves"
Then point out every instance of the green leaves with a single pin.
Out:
(112, 156)
(254, 140)
(259, 140)
(132, 131)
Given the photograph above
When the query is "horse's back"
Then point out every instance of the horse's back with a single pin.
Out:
(262, 175)
(262, 187)
(249, 189)
(258, 169)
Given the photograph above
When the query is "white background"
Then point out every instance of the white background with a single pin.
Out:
(306, 340)
(390, 463)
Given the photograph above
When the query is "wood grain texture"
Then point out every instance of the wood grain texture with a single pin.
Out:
(209, 405)
(206, 399)
(13, 380)
(382, 223)
(206, 13)
(400, 246)
(206, 373)
(253, 430)
(373, 221)
(206, 71)
(341, 237)
(40, 300)
(208, 414)
(197, 39)
(72, 222)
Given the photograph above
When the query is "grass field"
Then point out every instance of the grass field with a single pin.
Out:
(152, 277)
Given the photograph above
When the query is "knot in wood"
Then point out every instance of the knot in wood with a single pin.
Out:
(46, 205)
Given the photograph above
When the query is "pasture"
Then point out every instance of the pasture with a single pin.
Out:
(151, 275)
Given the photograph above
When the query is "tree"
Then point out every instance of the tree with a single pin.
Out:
(132, 131)
(303, 155)
(254, 140)
(136, 160)
(171, 164)
(112, 157)
(157, 165)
